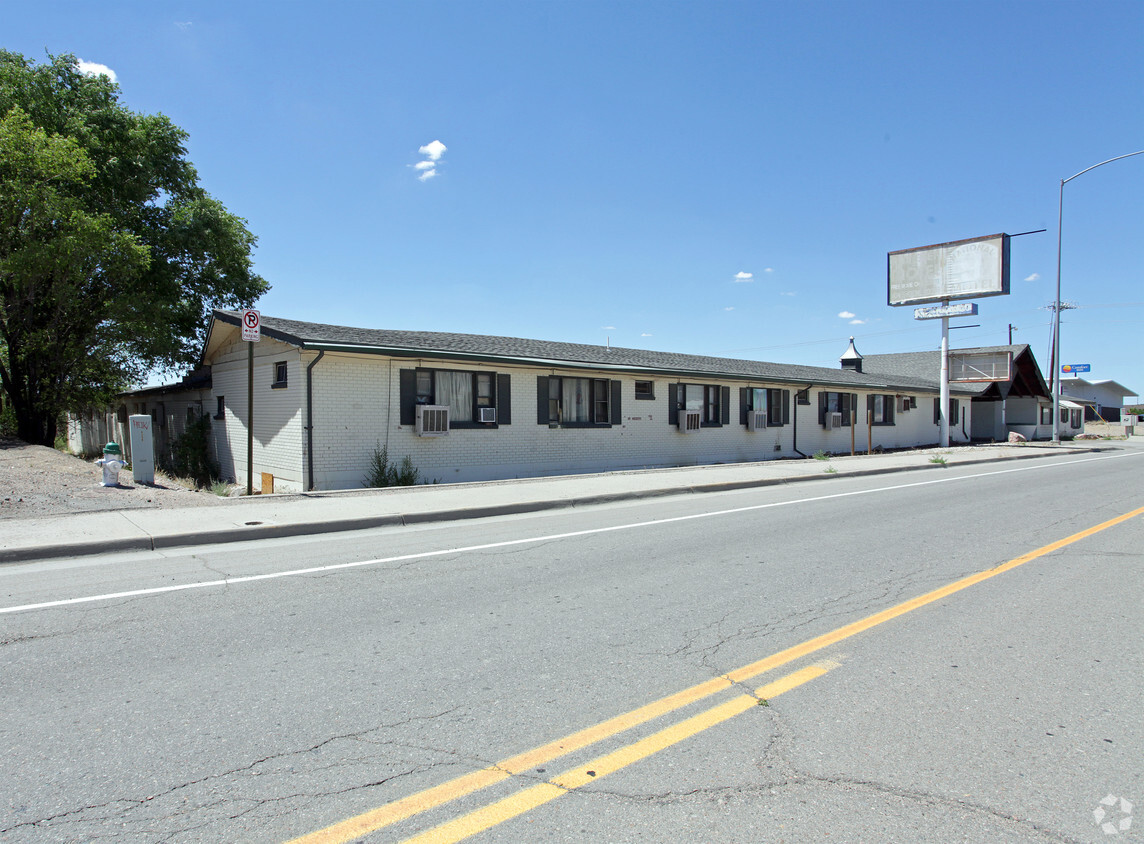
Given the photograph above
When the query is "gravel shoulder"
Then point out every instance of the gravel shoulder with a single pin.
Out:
(37, 482)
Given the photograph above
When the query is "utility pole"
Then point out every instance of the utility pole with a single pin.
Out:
(1012, 328)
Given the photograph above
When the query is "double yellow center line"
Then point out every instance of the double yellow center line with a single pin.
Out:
(540, 793)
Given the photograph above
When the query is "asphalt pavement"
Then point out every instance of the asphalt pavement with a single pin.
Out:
(299, 514)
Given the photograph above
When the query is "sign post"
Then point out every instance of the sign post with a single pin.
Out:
(251, 334)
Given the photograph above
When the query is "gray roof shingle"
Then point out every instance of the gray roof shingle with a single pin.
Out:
(554, 353)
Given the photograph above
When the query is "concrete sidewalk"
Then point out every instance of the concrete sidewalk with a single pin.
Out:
(297, 514)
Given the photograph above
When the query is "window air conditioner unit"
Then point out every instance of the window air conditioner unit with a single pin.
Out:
(833, 420)
(488, 414)
(756, 420)
(690, 421)
(903, 404)
(432, 420)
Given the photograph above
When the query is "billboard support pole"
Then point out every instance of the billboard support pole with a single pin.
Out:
(944, 400)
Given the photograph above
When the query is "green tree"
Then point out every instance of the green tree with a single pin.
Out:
(111, 254)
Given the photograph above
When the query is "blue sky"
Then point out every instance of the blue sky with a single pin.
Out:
(717, 178)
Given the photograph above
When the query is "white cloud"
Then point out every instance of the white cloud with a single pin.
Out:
(787, 293)
(1033, 277)
(183, 25)
(857, 322)
(96, 69)
(769, 270)
(433, 150)
(845, 315)
(608, 328)
(741, 277)
(729, 309)
(428, 168)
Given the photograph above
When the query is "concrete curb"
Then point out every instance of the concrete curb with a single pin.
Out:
(280, 531)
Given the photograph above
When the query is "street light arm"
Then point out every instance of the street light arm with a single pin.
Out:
(1109, 161)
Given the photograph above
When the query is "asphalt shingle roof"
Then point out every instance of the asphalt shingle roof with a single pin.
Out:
(914, 364)
(550, 353)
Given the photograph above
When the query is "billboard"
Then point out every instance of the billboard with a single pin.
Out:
(980, 366)
(962, 269)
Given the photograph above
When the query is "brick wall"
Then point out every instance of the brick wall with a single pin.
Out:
(356, 409)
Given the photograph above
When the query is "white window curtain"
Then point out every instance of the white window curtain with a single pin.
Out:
(574, 401)
(456, 390)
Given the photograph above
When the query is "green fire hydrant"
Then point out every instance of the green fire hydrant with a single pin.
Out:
(112, 462)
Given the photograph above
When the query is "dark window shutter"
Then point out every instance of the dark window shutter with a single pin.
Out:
(744, 405)
(786, 407)
(725, 406)
(673, 404)
(504, 400)
(888, 403)
(870, 408)
(617, 418)
(541, 399)
(844, 404)
(822, 408)
(407, 393)
(937, 411)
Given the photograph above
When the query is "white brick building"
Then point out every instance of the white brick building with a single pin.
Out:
(325, 397)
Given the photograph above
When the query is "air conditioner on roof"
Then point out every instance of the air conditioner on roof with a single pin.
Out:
(690, 421)
(432, 420)
(756, 420)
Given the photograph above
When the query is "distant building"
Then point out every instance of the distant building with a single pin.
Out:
(1102, 399)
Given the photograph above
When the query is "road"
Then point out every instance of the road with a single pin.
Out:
(939, 656)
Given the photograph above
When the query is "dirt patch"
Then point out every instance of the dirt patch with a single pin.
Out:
(37, 481)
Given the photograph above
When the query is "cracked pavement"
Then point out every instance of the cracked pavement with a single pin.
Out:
(261, 711)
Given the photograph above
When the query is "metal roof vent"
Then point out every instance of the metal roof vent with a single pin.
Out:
(851, 359)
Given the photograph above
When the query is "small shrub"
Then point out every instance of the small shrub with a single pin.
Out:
(382, 473)
(830, 470)
(821, 455)
(191, 455)
(938, 459)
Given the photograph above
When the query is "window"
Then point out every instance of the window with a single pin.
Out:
(954, 412)
(803, 396)
(220, 413)
(843, 403)
(774, 401)
(880, 409)
(464, 392)
(577, 402)
(712, 401)
(1074, 418)
(1064, 416)
(645, 389)
(1047, 414)
(280, 371)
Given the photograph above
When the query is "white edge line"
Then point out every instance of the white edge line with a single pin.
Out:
(420, 555)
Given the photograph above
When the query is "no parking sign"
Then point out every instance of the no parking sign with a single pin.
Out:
(251, 326)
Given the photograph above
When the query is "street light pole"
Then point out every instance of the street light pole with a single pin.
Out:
(1056, 381)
